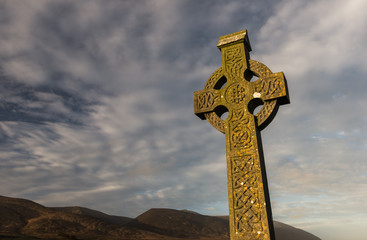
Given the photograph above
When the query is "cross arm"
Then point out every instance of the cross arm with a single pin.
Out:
(205, 101)
(272, 87)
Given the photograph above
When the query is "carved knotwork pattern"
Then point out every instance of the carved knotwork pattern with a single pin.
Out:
(269, 84)
(215, 121)
(205, 100)
(234, 61)
(259, 69)
(249, 211)
(212, 117)
(240, 135)
(265, 111)
(272, 87)
(247, 193)
(214, 78)
(247, 201)
(238, 114)
(263, 72)
(238, 95)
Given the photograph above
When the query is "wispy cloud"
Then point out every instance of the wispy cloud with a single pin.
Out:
(96, 105)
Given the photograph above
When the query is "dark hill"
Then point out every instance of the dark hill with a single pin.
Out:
(286, 232)
(183, 224)
(22, 219)
(117, 220)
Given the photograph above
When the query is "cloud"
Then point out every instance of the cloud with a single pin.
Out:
(17, 26)
(316, 35)
(96, 105)
(24, 70)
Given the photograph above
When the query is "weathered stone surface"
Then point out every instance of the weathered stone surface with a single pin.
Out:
(231, 89)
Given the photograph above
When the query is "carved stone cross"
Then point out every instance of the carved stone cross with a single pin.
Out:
(238, 87)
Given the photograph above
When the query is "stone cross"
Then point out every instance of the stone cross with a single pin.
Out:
(238, 87)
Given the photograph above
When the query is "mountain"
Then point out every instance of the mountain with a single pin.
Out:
(286, 232)
(117, 220)
(182, 224)
(22, 219)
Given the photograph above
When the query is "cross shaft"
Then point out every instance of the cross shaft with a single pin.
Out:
(230, 89)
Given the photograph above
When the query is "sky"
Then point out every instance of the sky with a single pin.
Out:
(96, 106)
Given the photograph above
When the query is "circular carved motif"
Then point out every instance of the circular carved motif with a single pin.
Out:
(265, 112)
(236, 93)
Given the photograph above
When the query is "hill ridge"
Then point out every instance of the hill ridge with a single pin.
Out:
(25, 219)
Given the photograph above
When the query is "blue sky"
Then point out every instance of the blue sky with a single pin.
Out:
(96, 106)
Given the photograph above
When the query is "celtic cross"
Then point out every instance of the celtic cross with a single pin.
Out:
(238, 87)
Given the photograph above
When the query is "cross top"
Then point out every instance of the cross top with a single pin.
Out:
(231, 88)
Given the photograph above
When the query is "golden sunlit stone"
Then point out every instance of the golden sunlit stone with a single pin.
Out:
(230, 89)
